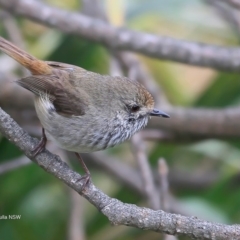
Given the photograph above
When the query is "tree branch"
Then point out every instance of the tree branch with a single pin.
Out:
(117, 212)
(202, 123)
(193, 53)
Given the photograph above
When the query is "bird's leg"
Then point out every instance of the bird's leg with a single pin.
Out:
(86, 177)
(41, 145)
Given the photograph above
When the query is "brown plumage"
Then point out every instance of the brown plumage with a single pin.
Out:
(80, 110)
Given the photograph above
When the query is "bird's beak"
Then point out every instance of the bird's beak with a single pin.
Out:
(158, 113)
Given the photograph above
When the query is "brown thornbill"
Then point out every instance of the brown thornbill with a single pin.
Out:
(82, 111)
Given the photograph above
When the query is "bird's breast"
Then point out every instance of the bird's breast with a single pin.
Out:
(86, 133)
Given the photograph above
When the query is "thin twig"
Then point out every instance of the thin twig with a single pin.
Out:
(233, 3)
(157, 135)
(115, 68)
(12, 29)
(163, 184)
(14, 164)
(226, 13)
(13, 32)
(139, 152)
(12, 95)
(76, 225)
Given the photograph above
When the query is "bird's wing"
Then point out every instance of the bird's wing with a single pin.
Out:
(67, 101)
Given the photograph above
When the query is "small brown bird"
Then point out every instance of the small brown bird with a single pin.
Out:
(82, 111)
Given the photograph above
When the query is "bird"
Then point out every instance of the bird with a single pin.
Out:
(82, 111)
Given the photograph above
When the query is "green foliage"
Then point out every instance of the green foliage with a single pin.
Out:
(224, 91)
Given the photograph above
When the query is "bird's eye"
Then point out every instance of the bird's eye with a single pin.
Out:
(135, 108)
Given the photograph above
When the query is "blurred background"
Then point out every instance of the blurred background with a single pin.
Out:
(192, 177)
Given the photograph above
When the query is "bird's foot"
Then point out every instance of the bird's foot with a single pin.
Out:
(87, 176)
(41, 145)
(86, 179)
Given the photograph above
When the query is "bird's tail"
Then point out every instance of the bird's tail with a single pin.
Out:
(37, 67)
